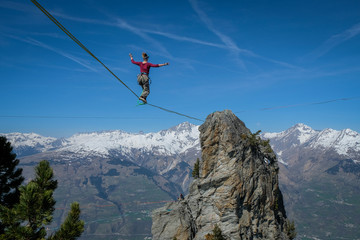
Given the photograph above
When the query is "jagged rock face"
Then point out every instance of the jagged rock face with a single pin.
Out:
(237, 190)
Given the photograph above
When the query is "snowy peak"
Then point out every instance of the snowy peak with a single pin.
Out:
(183, 127)
(163, 142)
(178, 140)
(296, 135)
(302, 132)
(300, 127)
(344, 142)
(29, 139)
(175, 140)
(30, 143)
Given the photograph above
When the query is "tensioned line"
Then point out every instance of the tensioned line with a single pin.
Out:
(91, 54)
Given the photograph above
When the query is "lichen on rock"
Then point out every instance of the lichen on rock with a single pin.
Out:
(237, 189)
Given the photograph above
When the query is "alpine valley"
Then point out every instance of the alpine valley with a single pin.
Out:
(119, 178)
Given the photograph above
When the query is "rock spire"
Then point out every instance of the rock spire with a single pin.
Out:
(237, 189)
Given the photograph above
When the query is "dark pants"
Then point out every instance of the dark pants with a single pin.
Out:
(143, 81)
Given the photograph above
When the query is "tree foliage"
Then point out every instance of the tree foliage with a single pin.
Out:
(28, 218)
(216, 234)
(290, 229)
(72, 226)
(254, 141)
(10, 177)
(196, 170)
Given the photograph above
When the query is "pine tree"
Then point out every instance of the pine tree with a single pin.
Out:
(72, 226)
(196, 170)
(10, 177)
(27, 219)
(290, 229)
(216, 234)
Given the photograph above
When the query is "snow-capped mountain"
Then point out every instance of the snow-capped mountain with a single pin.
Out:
(345, 142)
(298, 134)
(170, 152)
(319, 177)
(30, 140)
(179, 140)
(31, 143)
(174, 141)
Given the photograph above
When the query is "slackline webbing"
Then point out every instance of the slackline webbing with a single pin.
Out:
(97, 59)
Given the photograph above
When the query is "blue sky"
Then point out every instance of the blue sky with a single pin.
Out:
(273, 63)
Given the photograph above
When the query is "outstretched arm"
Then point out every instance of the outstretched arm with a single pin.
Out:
(132, 60)
(163, 64)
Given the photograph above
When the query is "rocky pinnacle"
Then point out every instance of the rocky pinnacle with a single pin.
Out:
(237, 188)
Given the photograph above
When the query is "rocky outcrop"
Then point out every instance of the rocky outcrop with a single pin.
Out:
(237, 188)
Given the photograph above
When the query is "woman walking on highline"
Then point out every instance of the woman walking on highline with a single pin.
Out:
(143, 78)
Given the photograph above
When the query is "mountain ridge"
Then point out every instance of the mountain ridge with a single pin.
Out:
(175, 140)
(345, 142)
(163, 143)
